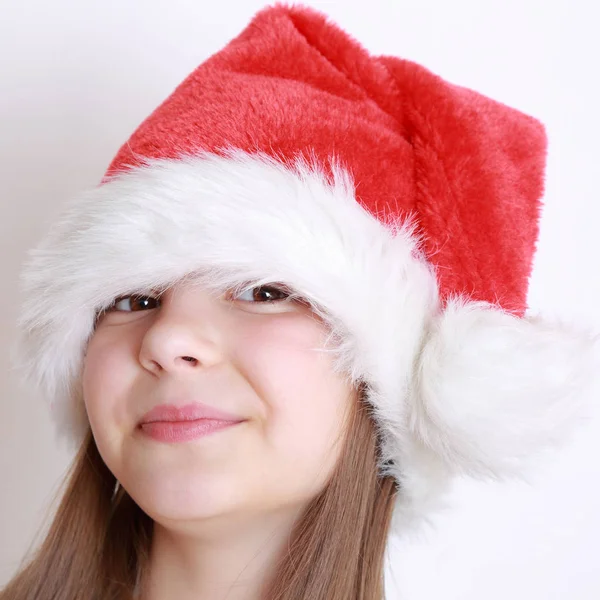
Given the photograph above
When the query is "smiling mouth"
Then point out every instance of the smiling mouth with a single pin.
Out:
(183, 431)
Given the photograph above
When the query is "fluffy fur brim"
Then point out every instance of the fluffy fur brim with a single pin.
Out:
(464, 388)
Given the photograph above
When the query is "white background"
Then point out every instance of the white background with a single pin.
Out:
(77, 77)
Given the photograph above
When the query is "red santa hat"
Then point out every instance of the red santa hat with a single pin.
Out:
(402, 207)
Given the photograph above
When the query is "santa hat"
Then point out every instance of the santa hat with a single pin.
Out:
(402, 207)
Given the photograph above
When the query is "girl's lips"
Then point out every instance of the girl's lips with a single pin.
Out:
(186, 412)
(183, 431)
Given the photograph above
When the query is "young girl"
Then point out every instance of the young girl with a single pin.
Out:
(289, 316)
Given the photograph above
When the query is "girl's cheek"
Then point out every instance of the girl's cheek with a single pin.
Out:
(95, 364)
(102, 375)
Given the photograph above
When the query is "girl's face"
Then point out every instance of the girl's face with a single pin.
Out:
(256, 357)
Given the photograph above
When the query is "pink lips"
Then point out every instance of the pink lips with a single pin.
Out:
(170, 423)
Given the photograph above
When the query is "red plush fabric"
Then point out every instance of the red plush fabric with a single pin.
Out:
(295, 83)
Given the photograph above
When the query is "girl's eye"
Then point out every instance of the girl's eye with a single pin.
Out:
(266, 294)
(263, 294)
(134, 303)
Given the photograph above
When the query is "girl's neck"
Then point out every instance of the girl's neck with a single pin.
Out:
(227, 557)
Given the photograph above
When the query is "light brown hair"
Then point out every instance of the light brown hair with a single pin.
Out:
(98, 543)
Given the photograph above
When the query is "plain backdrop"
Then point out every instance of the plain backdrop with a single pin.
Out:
(76, 77)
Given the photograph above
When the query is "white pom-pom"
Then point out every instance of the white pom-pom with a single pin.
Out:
(493, 391)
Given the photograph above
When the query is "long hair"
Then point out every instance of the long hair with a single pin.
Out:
(98, 543)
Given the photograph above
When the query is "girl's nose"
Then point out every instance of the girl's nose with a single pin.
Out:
(183, 337)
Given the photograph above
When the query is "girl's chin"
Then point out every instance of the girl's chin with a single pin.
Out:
(181, 503)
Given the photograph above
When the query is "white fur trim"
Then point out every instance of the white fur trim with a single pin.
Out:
(469, 390)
